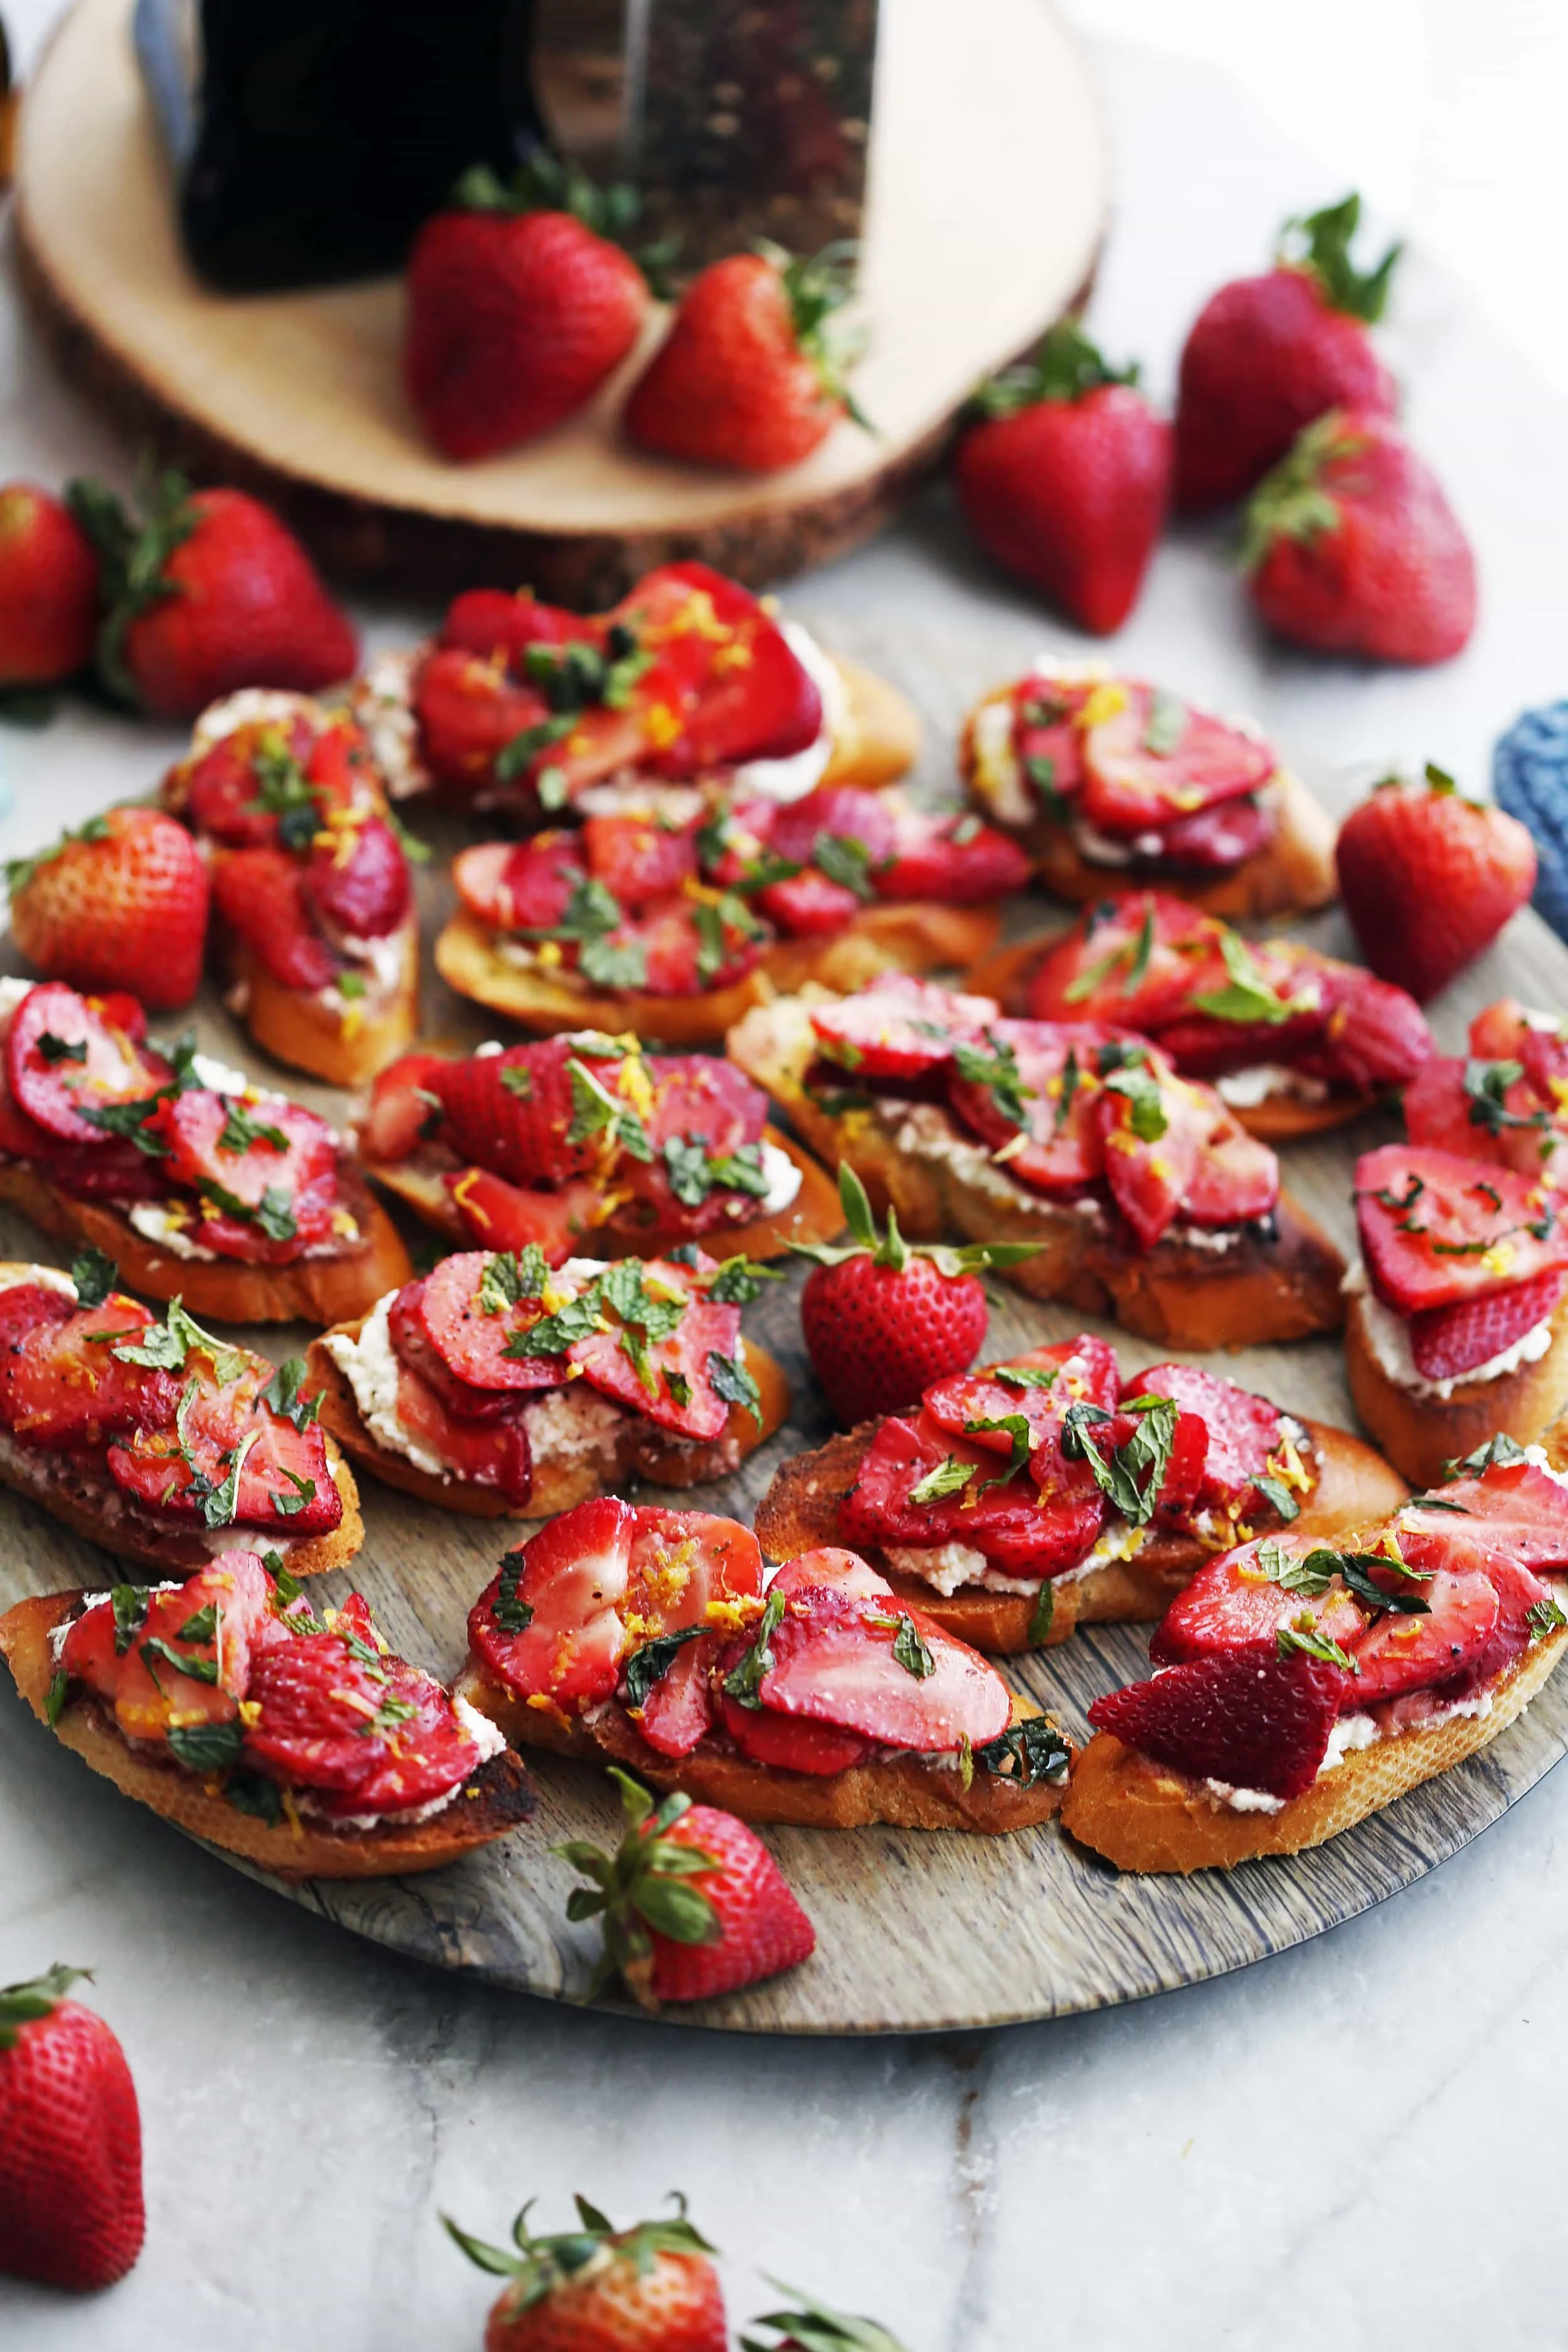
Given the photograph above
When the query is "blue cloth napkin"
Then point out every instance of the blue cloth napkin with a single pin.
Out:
(1529, 778)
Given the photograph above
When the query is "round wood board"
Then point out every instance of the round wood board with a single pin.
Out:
(987, 199)
(917, 1931)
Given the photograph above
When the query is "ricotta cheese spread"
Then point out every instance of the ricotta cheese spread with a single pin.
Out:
(370, 1366)
(168, 1226)
(564, 1424)
(383, 703)
(13, 989)
(997, 773)
(1388, 1337)
(792, 779)
(252, 706)
(1268, 1081)
(47, 1277)
(783, 1180)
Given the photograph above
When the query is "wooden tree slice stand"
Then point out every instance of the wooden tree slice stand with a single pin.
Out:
(987, 200)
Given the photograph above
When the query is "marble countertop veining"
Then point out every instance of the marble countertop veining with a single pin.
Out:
(1350, 2143)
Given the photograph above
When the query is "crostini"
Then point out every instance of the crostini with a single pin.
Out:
(1293, 1041)
(1049, 1491)
(155, 1439)
(1145, 1197)
(670, 912)
(1300, 1688)
(293, 1739)
(522, 706)
(653, 1639)
(314, 931)
(1109, 781)
(1458, 1325)
(499, 1387)
(590, 1147)
(195, 1182)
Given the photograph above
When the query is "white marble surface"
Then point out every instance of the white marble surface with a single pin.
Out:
(1355, 2143)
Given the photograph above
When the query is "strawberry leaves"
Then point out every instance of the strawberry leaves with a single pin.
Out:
(816, 2327)
(1319, 244)
(135, 555)
(1065, 366)
(644, 1884)
(35, 1997)
(890, 1249)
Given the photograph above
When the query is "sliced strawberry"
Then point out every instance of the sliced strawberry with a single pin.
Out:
(699, 1099)
(1081, 1369)
(1375, 1035)
(261, 894)
(521, 887)
(1046, 737)
(950, 859)
(1173, 1145)
(1233, 1604)
(1507, 1124)
(497, 1216)
(685, 1564)
(1447, 1341)
(1102, 971)
(840, 812)
(565, 1587)
(361, 885)
(1435, 1228)
(667, 1381)
(382, 1736)
(222, 791)
(752, 698)
(405, 1110)
(469, 1324)
(807, 904)
(833, 1663)
(1026, 1065)
(1243, 1432)
(679, 1712)
(242, 1151)
(496, 625)
(1213, 840)
(790, 1743)
(831, 1569)
(61, 1383)
(638, 860)
(513, 1112)
(1131, 787)
(146, 1689)
(469, 712)
(481, 1451)
(26, 1307)
(22, 1138)
(898, 1027)
(1411, 1653)
(1019, 1527)
(1247, 1716)
(65, 1054)
(1524, 1509)
(178, 1465)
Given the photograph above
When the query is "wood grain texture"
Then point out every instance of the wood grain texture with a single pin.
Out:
(297, 396)
(917, 1930)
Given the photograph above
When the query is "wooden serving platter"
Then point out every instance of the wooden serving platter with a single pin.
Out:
(916, 1931)
(987, 196)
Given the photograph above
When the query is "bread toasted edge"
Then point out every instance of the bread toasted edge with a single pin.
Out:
(905, 1792)
(877, 736)
(1175, 1294)
(1144, 1816)
(225, 1290)
(915, 937)
(496, 1798)
(557, 1487)
(344, 1048)
(815, 1215)
(1355, 1489)
(1420, 1434)
(1280, 1119)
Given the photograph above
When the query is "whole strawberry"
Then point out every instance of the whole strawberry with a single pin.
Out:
(1429, 878)
(70, 2140)
(752, 372)
(49, 589)
(1066, 478)
(1267, 355)
(651, 2288)
(520, 305)
(1352, 547)
(882, 1319)
(206, 594)
(121, 903)
(692, 1902)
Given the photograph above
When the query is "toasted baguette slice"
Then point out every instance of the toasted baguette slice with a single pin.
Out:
(1279, 1118)
(1353, 1488)
(916, 936)
(1177, 1293)
(640, 1449)
(877, 733)
(1420, 1433)
(1145, 1816)
(815, 1213)
(496, 1798)
(346, 1048)
(908, 1791)
(225, 1290)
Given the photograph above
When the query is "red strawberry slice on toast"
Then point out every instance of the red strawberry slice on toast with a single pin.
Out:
(1436, 1229)
(244, 1151)
(807, 905)
(841, 813)
(950, 859)
(976, 1405)
(1409, 1653)
(639, 862)
(1448, 1341)
(61, 1382)
(1213, 840)
(1483, 1110)
(149, 1692)
(496, 1215)
(1247, 1717)
(1524, 1509)
(513, 1112)
(367, 892)
(1171, 1146)
(1231, 1604)
(899, 1028)
(467, 1319)
(547, 1625)
(1138, 958)
(282, 1479)
(480, 1449)
(1159, 759)
(1046, 1071)
(668, 1379)
(261, 894)
(68, 1054)
(523, 885)
(1243, 1432)
(1019, 1527)
(791, 1743)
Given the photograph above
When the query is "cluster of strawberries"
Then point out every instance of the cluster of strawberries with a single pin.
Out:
(1349, 547)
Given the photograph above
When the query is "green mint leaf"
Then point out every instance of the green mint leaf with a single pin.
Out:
(512, 1615)
(1545, 1617)
(95, 1275)
(62, 1049)
(845, 861)
(1277, 1492)
(242, 1129)
(1248, 999)
(745, 1678)
(1041, 1617)
(735, 1383)
(912, 1653)
(1027, 1752)
(653, 1660)
(946, 1479)
(518, 1080)
(1166, 723)
(54, 1697)
(200, 1670)
(206, 1746)
(1301, 1640)
(282, 1394)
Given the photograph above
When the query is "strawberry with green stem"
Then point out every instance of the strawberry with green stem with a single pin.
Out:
(70, 2140)
(651, 2288)
(885, 1317)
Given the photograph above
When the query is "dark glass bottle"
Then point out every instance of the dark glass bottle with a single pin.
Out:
(326, 130)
